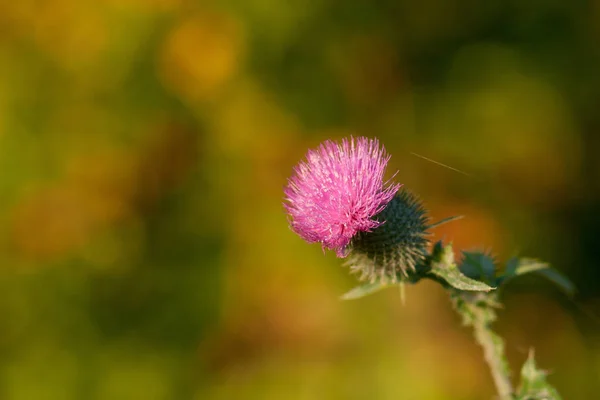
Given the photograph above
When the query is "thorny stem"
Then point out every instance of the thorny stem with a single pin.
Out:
(478, 310)
(493, 350)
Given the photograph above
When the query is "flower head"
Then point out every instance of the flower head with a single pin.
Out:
(336, 192)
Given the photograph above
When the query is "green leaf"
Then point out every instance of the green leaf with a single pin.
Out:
(365, 290)
(517, 267)
(559, 280)
(444, 267)
(527, 265)
(458, 280)
(533, 383)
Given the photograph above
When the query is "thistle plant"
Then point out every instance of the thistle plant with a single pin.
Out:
(337, 197)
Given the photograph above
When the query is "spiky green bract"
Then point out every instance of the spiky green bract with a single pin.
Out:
(534, 385)
(479, 265)
(442, 266)
(394, 249)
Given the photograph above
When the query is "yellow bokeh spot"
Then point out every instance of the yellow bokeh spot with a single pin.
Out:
(200, 55)
(145, 5)
(73, 34)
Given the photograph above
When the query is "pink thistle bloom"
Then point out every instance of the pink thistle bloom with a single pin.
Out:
(336, 192)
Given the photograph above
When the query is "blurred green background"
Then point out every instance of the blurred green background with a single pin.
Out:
(144, 146)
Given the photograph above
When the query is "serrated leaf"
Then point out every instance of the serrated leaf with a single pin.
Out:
(517, 267)
(458, 280)
(365, 290)
(444, 267)
(533, 382)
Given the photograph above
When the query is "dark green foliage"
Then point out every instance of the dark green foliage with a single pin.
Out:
(478, 265)
(521, 266)
(392, 251)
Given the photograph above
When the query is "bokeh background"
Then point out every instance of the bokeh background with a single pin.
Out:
(144, 146)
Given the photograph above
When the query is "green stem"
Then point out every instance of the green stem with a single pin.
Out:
(478, 310)
(493, 351)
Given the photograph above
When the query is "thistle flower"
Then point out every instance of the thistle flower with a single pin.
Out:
(335, 193)
(337, 197)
